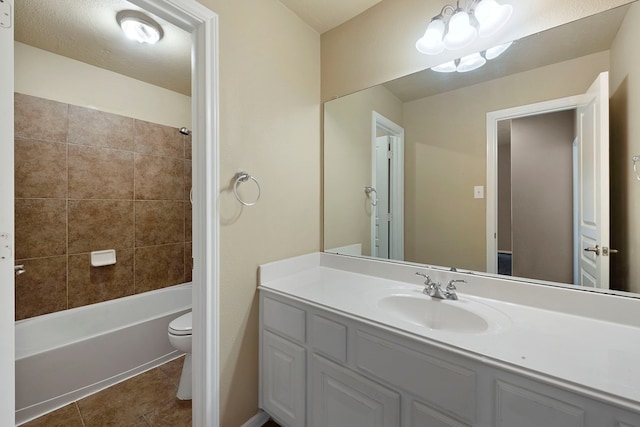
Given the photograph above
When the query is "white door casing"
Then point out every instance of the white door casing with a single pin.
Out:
(7, 277)
(593, 111)
(396, 182)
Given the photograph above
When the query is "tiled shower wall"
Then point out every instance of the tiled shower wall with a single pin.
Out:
(86, 180)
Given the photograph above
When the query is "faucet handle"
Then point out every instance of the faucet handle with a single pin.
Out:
(428, 280)
(452, 287)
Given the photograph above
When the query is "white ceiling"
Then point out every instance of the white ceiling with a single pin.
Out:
(323, 15)
(87, 31)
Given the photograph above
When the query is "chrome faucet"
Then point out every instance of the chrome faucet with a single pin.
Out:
(434, 289)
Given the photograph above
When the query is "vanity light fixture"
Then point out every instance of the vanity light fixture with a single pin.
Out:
(457, 27)
(473, 61)
(139, 27)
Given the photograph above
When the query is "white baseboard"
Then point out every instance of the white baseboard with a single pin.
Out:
(257, 420)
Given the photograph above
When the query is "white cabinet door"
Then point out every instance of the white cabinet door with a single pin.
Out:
(283, 380)
(426, 416)
(342, 398)
(521, 407)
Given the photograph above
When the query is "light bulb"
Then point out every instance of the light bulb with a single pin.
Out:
(431, 42)
(471, 62)
(494, 52)
(447, 67)
(460, 33)
(491, 16)
(139, 27)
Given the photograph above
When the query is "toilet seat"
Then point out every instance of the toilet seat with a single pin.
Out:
(181, 326)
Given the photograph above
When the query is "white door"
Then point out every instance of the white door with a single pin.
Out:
(381, 209)
(7, 350)
(592, 124)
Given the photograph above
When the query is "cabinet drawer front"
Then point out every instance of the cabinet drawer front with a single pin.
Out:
(342, 398)
(284, 319)
(329, 338)
(520, 407)
(283, 379)
(443, 385)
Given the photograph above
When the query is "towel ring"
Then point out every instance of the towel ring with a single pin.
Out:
(369, 191)
(244, 177)
(635, 160)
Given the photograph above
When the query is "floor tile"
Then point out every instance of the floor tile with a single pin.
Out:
(124, 403)
(67, 416)
(175, 413)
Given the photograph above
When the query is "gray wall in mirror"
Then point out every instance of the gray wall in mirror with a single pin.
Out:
(444, 118)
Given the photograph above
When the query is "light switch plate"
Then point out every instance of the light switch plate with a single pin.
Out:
(478, 192)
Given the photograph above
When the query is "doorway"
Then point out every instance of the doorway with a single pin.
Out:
(387, 192)
(202, 24)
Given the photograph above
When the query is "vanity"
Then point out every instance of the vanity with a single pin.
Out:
(349, 342)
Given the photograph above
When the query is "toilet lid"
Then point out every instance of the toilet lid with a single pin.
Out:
(181, 325)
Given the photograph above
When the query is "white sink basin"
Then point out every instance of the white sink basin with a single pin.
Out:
(461, 316)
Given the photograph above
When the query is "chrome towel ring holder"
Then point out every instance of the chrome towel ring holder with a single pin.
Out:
(636, 160)
(244, 177)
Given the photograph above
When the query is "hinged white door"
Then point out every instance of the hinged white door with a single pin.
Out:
(7, 349)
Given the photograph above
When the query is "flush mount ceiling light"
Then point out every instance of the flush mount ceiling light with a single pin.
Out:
(457, 27)
(473, 61)
(139, 27)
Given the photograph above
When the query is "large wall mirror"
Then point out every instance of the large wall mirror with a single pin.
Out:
(533, 185)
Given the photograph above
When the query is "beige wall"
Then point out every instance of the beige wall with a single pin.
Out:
(347, 156)
(50, 76)
(270, 127)
(445, 140)
(379, 45)
(625, 143)
(542, 196)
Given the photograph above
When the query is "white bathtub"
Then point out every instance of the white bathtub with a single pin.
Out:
(64, 356)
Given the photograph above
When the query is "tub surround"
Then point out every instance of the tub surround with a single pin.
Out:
(582, 342)
(87, 180)
(64, 356)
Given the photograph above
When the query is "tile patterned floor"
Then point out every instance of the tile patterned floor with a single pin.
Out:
(147, 400)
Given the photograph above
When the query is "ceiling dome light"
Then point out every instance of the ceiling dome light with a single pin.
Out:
(460, 33)
(431, 42)
(491, 16)
(139, 27)
(447, 67)
(471, 62)
(494, 52)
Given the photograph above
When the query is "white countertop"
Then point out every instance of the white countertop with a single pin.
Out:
(599, 358)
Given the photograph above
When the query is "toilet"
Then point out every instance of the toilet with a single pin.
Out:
(180, 339)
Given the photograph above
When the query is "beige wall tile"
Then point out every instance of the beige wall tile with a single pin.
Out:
(39, 118)
(89, 285)
(98, 173)
(187, 146)
(159, 266)
(188, 180)
(159, 222)
(188, 221)
(152, 138)
(100, 224)
(159, 178)
(40, 227)
(188, 262)
(42, 288)
(40, 169)
(100, 129)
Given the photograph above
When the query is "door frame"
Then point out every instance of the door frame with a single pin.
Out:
(202, 24)
(396, 185)
(493, 117)
(7, 219)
